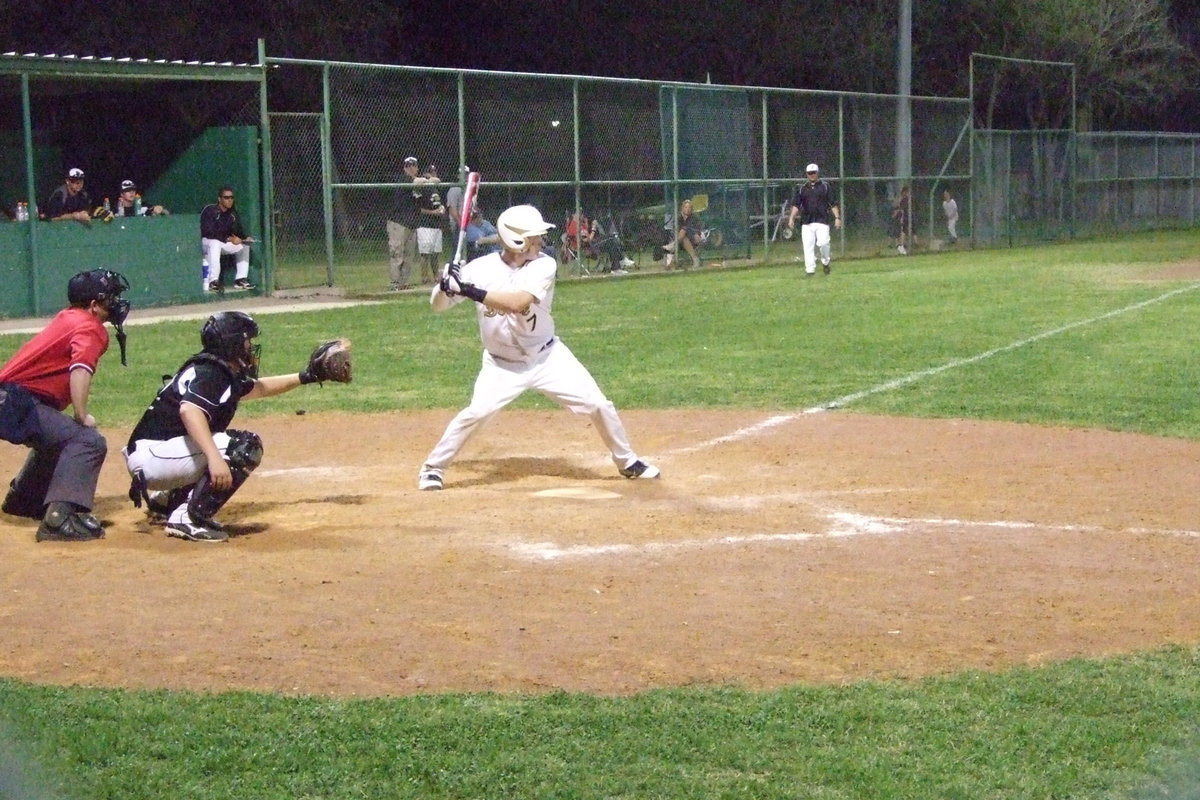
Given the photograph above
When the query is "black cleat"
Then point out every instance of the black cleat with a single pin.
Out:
(195, 532)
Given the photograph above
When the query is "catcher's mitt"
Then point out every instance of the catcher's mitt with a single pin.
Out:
(331, 361)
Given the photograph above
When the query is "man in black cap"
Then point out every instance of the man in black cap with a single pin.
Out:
(69, 201)
(402, 227)
(51, 371)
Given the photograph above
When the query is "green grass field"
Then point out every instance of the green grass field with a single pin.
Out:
(1096, 334)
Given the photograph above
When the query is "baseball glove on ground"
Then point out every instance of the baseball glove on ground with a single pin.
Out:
(331, 361)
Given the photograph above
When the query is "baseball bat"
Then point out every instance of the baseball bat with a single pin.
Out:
(464, 214)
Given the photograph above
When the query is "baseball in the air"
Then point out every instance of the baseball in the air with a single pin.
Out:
(554, 123)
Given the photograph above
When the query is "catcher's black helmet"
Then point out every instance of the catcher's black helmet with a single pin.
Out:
(103, 285)
(225, 335)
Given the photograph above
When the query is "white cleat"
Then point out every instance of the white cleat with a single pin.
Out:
(429, 482)
(640, 469)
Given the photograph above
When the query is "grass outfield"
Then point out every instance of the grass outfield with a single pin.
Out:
(1096, 334)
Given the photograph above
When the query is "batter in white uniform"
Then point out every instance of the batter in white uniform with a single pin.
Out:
(513, 291)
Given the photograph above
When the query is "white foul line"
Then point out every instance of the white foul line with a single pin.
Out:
(913, 377)
(843, 524)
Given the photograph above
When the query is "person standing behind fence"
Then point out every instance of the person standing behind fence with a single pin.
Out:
(402, 228)
(454, 198)
(950, 208)
(431, 228)
(69, 201)
(817, 208)
(221, 232)
(902, 220)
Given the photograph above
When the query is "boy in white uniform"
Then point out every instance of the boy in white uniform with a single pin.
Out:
(513, 291)
(950, 208)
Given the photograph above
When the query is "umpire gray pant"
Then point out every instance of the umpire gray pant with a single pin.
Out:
(63, 464)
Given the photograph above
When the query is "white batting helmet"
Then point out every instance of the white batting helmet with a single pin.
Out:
(518, 223)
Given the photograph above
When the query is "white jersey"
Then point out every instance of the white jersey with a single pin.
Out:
(950, 207)
(514, 337)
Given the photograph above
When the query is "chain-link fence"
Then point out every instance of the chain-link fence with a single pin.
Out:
(628, 152)
(1136, 181)
(624, 152)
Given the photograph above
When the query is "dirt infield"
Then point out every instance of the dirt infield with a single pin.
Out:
(803, 547)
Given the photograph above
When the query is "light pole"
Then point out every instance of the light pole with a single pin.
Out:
(904, 91)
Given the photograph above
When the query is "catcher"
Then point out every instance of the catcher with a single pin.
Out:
(185, 460)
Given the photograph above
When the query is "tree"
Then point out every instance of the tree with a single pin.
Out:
(1128, 58)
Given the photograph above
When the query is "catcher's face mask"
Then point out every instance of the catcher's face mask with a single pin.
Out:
(250, 362)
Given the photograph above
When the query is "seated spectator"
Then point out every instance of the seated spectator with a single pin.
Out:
(574, 235)
(69, 201)
(608, 245)
(129, 205)
(482, 236)
(688, 234)
(221, 232)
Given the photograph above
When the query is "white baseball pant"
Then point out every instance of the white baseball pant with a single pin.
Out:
(814, 235)
(213, 248)
(557, 374)
(171, 463)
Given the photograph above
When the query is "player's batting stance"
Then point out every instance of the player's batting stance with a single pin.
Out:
(185, 460)
(512, 292)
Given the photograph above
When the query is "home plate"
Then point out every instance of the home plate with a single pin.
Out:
(578, 493)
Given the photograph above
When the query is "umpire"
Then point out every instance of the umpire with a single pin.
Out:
(51, 371)
(818, 209)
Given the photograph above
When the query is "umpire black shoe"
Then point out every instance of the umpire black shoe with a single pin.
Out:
(63, 524)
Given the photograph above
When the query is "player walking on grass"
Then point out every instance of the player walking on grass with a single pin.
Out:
(513, 291)
(817, 208)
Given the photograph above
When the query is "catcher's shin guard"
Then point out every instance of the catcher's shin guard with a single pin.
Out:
(243, 455)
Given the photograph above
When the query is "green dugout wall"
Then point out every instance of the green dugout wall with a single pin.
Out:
(160, 256)
(181, 130)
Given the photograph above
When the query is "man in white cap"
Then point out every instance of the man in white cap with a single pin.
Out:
(69, 201)
(818, 209)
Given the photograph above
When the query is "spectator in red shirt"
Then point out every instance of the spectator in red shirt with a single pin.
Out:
(51, 371)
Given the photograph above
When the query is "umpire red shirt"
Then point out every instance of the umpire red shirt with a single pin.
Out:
(74, 338)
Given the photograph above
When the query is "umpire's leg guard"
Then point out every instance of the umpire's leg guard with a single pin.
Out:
(243, 455)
